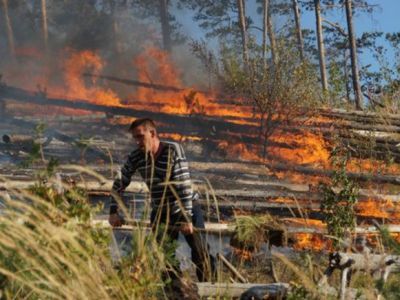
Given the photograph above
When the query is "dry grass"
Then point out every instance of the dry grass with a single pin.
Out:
(50, 250)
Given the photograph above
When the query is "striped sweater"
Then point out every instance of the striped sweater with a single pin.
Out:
(167, 177)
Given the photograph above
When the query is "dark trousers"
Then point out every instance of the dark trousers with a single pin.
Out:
(203, 260)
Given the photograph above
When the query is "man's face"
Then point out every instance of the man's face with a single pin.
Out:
(144, 137)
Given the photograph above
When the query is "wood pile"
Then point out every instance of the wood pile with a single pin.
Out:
(246, 186)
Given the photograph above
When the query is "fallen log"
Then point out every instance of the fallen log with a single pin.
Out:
(356, 176)
(195, 122)
(131, 82)
(227, 228)
(53, 133)
(361, 114)
(248, 290)
(256, 198)
(65, 118)
(192, 123)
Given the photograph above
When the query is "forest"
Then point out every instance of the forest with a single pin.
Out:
(287, 111)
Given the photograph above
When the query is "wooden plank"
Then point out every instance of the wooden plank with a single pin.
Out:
(225, 228)
(355, 176)
(229, 290)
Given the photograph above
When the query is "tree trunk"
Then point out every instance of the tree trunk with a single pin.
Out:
(271, 35)
(353, 56)
(346, 75)
(242, 25)
(115, 29)
(10, 34)
(264, 42)
(321, 47)
(44, 24)
(165, 26)
(299, 34)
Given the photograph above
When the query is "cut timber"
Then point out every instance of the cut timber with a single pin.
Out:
(225, 228)
(229, 290)
(63, 118)
(356, 176)
(134, 187)
(232, 197)
(53, 133)
(363, 114)
(377, 127)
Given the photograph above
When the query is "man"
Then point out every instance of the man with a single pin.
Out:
(164, 168)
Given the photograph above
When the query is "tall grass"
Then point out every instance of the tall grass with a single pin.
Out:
(50, 249)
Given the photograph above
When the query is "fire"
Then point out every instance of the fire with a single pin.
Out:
(299, 177)
(316, 120)
(318, 224)
(156, 66)
(311, 241)
(75, 65)
(372, 166)
(238, 150)
(306, 148)
(243, 254)
(379, 209)
(179, 137)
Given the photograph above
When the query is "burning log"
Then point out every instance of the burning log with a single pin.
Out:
(192, 122)
(216, 130)
(137, 83)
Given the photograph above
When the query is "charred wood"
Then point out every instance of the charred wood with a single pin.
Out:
(194, 122)
(53, 133)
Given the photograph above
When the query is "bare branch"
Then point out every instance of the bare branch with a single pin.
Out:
(337, 27)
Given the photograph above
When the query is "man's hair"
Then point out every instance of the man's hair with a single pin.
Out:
(146, 122)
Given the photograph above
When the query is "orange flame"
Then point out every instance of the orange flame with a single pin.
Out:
(311, 241)
(372, 166)
(306, 148)
(238, 150)
(156, 66)
(75, 65)
(179, 137)
(379, 209)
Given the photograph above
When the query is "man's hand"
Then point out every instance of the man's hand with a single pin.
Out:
(187, 228)
(115, 220)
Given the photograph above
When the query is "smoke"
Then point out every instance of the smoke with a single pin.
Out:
(116, 31)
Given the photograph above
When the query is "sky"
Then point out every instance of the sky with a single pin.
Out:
(385, 18)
